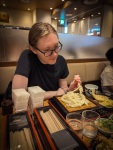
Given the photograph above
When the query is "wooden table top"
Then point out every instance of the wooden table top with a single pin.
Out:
(3, 123)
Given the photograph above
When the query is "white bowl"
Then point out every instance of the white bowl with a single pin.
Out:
(102, 128)
(91, 86)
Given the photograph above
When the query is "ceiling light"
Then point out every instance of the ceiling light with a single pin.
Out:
(4, 4)
(55, 18)
(62, 0)
(28, 9)
(98, 13)
(91, 15)
(83, 18)
(75, 8)
(51, 8)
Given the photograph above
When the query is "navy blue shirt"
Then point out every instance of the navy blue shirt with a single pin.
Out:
(43, 75)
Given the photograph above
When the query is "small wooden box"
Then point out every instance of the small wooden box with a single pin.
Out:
(56, 130)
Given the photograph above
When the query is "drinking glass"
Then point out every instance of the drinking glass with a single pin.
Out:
(75, 120)
(90, 128)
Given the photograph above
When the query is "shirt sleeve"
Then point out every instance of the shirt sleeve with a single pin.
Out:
(23, 66)
(107, 77)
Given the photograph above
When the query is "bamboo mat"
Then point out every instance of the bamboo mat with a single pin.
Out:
(3, 120)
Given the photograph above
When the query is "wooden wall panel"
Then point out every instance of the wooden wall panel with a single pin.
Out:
(2, 58)
(13, 43)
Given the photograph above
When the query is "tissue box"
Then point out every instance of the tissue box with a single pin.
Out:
(36, 97)
(35, 92)
(20, 98)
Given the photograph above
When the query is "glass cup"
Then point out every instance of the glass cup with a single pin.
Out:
(90, 128)
(75, 120)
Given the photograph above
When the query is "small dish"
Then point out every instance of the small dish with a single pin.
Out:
(91, 86)
(105, 125)
(107, 104)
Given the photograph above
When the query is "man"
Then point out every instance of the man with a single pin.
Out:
(41, 65)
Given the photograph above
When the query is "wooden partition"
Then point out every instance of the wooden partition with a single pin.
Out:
(75, 47)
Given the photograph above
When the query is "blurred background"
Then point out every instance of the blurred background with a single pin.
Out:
(85, 27)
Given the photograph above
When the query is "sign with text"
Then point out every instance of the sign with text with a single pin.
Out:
(4, 17)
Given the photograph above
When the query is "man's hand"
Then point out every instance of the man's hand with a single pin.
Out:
(74, 84)
(60, 92)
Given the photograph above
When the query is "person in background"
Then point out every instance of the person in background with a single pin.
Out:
(41, 65)
(107, 75)
(95, 33)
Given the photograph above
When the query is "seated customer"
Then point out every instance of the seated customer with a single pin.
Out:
(107, 75)
(41, 65)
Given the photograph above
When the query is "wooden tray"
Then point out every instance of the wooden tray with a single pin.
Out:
(71, 109)
(56, 128)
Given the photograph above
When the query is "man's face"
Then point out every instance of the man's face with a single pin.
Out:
(47, 43)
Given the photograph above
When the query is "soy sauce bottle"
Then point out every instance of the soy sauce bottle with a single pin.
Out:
(7, 107)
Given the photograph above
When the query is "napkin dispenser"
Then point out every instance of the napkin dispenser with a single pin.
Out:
(7, 107)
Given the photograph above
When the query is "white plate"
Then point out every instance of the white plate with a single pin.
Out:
(91, 86)
(102, 127)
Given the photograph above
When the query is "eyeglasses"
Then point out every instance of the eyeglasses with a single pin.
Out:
(50, 52)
